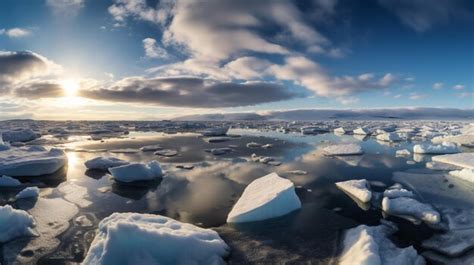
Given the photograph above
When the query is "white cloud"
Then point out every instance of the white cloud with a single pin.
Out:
(15, 32)
(438, 86)
(66, 8)
(416, 96)
(152, 50)
(458, 87)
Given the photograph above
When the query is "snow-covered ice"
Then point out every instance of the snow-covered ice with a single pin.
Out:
(28, 193)
(343, 149)
(465, 160)
(137, 171)
(402, 153)
(464, 174)
(23, 135)
(340, 130)
(362, 131)
(132, 238)
(32, 161)
(219, 131)
(264, 198)
(104, 163)
(370, 245)
(444, 148)
(395, 193)
(358, 188)
(15, 223)
(411, 208)
(389, 137)
(6, 181)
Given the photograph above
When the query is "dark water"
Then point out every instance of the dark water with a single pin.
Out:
(205, 195)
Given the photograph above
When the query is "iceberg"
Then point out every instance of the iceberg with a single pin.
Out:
(445, 148)
(23, 135)
(343, 150)
(264, 198)
(15, 223)
(464, 174)
(362, 131)
(357, 188)
(408, 207)
(137, 171)
(6, 181)
(132, 238)
(104, 163)
(33, 161)
(465, 160)
(340, 130)
(27, 193)
(388, 137)
(370, 245)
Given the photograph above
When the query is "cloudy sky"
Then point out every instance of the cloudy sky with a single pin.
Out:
(149, 59)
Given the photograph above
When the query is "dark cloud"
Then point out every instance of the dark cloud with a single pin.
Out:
(39, 89)
(189, 92)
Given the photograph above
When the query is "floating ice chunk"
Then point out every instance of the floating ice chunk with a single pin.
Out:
(402, 153)
(137, 171)
(30, 192)
(464, 174)
(103, 163)
(465, 160)
(264, 198)
(215, 131)
(267, 146)
(440, 166)
(389, 137)
(166, 152)
(15, 223)
(395, 193)
(370, 245)
(463, 139)
(23, 135)
(343, 150)
(362, 131)
(358, 188)
(6, 181)
(253, 145)
(218, 139)
(313, 130)
(26, 162)
(340, 130)
(132, 238)
(408, 207)
(445, 148)
(151, 148)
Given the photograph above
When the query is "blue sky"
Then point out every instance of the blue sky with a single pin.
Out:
(143, 59)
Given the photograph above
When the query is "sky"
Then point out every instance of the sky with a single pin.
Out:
(151, 59)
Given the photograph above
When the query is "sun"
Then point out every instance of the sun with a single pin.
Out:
(70, 86)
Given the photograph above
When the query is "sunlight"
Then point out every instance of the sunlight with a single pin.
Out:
(70, 87)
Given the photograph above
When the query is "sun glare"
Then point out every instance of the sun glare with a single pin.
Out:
(70, 87)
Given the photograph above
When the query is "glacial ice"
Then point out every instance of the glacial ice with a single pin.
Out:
(357, 188)
(15, 223)
(137, 171)
(132, 238)
(104, 163)
(31, 161)
(409, 207)
(343, 149)
(444, 148)
(264, 198)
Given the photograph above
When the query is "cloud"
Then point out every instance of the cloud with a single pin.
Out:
(15, 32)
(189, 92)
(438, 86)
(39, 89)
(152, 50)
(422, 15)
(139, 9)
(416, 96)
(458, 87)
(66, 8)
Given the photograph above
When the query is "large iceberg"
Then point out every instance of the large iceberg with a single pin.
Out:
(343, 149)
(132, 238)
(357, 188)
(410, 209)
(444, 148)
(15, 223)
(23, 135)
(137, 171)
(264, 198)
(31, 161)
(104, 163)
(465, 160)
(370, 245)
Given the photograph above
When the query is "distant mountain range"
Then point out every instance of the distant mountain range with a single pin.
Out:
(331, 114)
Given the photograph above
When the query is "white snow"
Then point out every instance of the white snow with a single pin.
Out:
(402, 153)
(464, 174)
(31, 161)
(465, 160)
(362, 131)
(23, 135)
(357, 188)
(408, 207)
(395, 193)
(6, 181)
(370, 245)
(264, 198)
(15, 223)
(389, 137)
(27, 193)
(444, 148)
(132, 238)
(343, 149)
(137, 171)
(103, 163)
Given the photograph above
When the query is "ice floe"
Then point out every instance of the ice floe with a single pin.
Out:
(132, 238)
(215, 131)
(343, 149)
(370, 245)
(22, 135)
(465, 160)
(444, 148)
(264, 198)
(28, 193)
(151, 148)
(137, 171)
(362, 131)
(15, 223)
(32, 161)
(389, 137)
(440, 166)
(166, 152)
(218, 139)
(402, 153)
(410, 209)
(464, 174)
(104, 163)
(395, 193)
(6, 181)
(358, 188)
